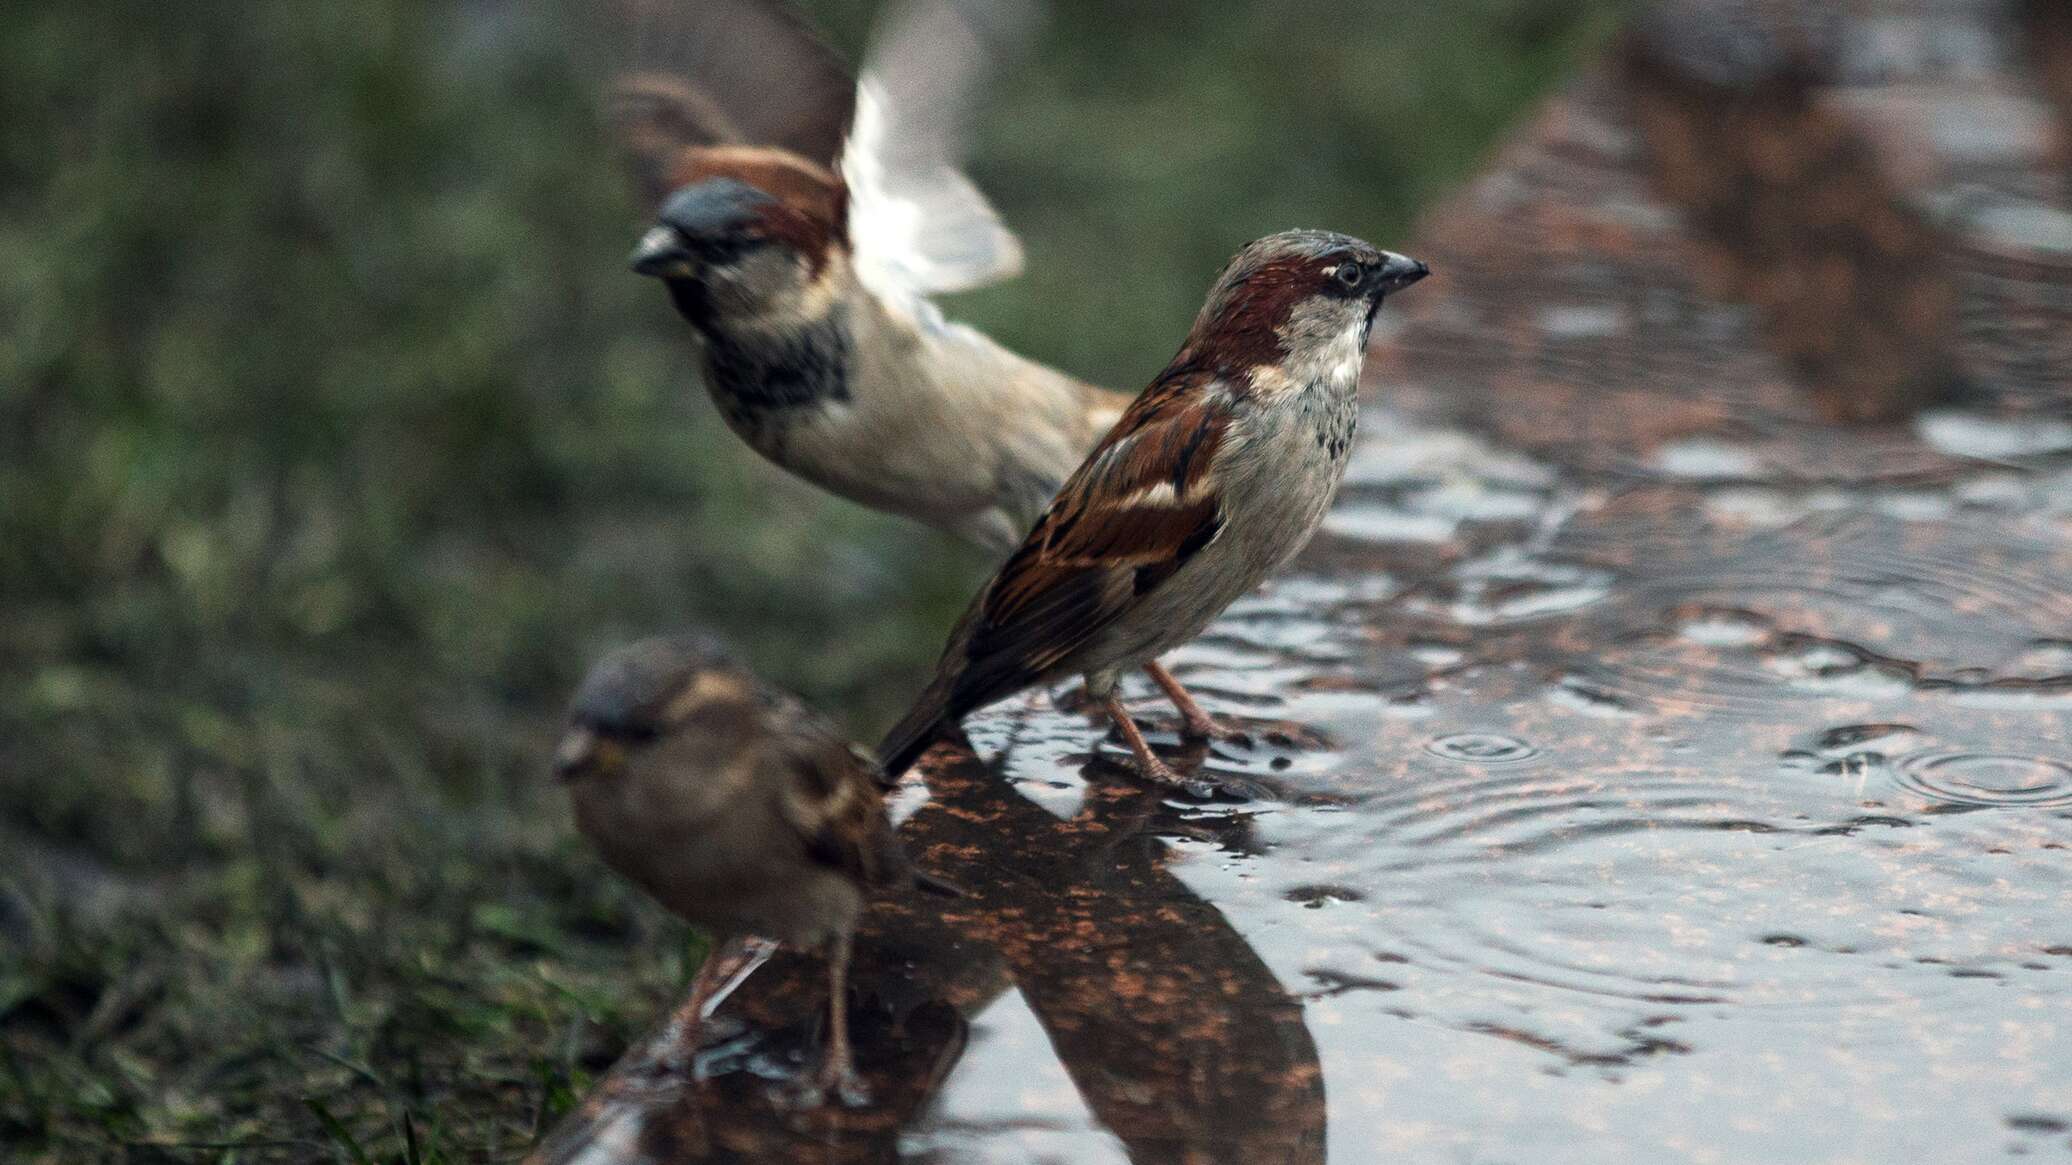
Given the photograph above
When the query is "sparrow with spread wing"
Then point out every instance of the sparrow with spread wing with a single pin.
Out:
(1215, 476)
(802, 224)
(735, 805)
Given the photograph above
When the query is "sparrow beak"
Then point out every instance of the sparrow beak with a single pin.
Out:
(1400, 271)
(574, 754)
(694, 221)
(663, 254)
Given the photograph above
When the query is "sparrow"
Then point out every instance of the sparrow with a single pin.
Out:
(1215, 476)
(803, 222)
(736, 806)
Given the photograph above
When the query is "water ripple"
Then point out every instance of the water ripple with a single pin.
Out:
(1986, 779)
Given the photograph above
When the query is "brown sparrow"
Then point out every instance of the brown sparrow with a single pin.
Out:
(802, 224)
(735, 805)
(1213, 478)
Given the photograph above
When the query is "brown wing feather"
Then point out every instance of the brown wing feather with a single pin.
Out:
(1141, 505)
(686, 74)
(1112, 535)
(833, 798)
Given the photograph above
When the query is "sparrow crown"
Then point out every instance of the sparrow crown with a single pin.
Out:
(783, 198)
(1243, 321)
(631, 692)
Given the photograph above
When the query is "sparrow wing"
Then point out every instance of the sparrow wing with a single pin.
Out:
(682, 74)
(916, 224)
(1143, 504)
(832, 799)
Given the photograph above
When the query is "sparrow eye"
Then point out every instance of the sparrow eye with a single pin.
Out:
(627, 733)
(1350, 274)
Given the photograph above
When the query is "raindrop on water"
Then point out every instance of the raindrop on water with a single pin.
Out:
(1318, 897)
(1972, 778)
(1482, 748)
(1851, 738)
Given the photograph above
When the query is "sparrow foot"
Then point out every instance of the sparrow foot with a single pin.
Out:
(822, 1088)
(1149, 767)
(839, 1083)
(1209, 728)
(1195, 721)
(1202, 786)
(834, 1081)
(1156, 771)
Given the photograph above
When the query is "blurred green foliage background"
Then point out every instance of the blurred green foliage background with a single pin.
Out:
(335, 437)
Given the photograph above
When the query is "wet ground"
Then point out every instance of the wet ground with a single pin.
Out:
(1641, 769)
(1669, 820)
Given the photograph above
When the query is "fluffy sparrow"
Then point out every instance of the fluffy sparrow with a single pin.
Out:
(1213, 478)
(735, 805)
(802, 224)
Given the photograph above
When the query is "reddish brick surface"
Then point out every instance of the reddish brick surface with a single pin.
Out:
(1887, 178)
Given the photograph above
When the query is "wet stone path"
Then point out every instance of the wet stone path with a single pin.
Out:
(1642, 768)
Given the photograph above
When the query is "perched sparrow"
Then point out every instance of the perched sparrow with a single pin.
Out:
(734, 804)
(1211, 480)
(802, 225)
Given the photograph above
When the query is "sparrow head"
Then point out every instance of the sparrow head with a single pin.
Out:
(1285, 294)
(636, 701)
(746, 228)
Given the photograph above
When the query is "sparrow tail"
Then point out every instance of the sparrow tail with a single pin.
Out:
(931, 719)
(910, 738)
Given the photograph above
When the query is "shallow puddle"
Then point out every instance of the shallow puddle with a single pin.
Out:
(1578, 821)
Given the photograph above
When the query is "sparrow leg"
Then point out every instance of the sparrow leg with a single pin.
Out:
(706, 983)
(1148, 765)
(1199, 724)
(837, 1076)
(725, 966)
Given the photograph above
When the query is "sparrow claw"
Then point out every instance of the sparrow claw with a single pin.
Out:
(1200, 785)
(1217, 733)
(834, 1082)
(1160, 773)
(841, 1084)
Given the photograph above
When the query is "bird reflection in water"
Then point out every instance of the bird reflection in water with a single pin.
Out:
(1176, 1036)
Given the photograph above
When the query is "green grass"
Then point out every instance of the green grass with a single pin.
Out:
(334, 439)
